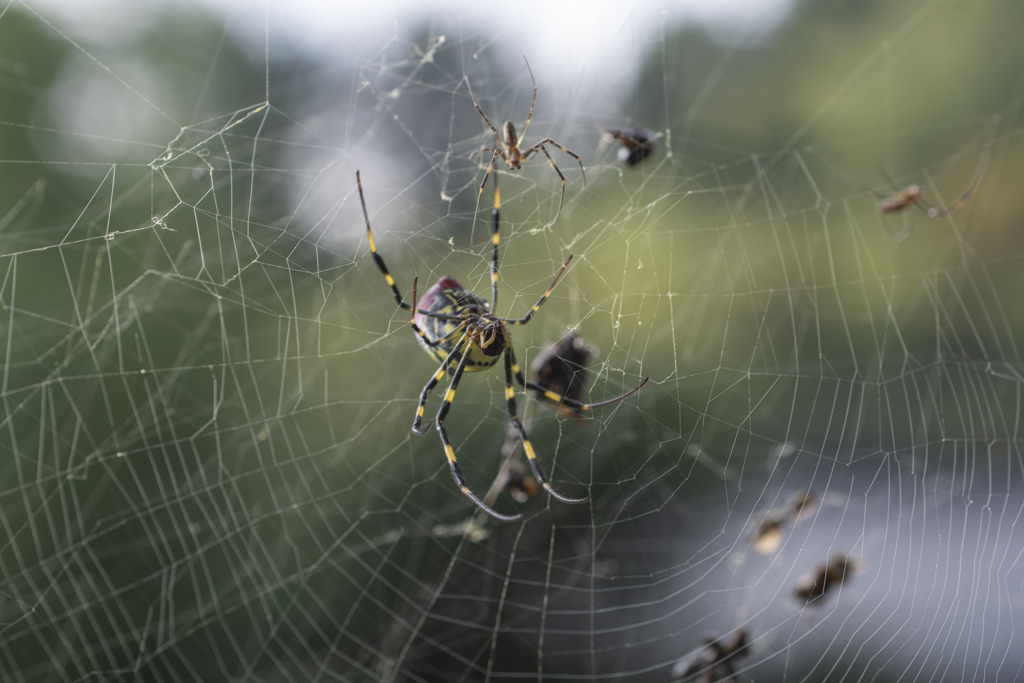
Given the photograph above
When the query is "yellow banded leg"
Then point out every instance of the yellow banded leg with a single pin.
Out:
(490, 167)
(418, 420)
(383, 268)
(538, 472)
(540, 302)
(562, 399)
(373, 249)
(449, 452)
(423, 400)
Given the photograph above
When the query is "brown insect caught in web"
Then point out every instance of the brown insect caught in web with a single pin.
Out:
(715, 660)
(507, 147)
(900, 201)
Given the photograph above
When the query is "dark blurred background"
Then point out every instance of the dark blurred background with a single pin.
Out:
(206, 471)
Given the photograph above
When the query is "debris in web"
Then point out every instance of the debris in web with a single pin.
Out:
(714, 661)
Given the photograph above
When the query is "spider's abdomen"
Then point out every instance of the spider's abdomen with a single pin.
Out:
(448, 297)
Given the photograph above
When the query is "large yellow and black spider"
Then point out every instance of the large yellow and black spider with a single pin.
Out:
(457, 327)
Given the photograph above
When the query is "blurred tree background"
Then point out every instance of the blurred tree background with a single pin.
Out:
(204, 448)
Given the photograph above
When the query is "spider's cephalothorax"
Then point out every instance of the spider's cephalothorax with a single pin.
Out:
(459, 329)
(515, 157)
(487, 335)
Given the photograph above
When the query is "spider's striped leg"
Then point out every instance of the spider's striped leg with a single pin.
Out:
(549, 141)
(905, 232)
(418, 420)
(942, 213)
(373, 249)
(481, 111)
(561, 199)
(383, 268)
(480, 193)
(540, 146)
(532, 104)
(540, 302)
(564, 400)
(538, 473)
(460, 481)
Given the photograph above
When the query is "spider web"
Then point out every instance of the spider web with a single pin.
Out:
(207, 469)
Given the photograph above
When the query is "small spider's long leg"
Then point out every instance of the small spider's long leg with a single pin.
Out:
(494, 244)
(540, 145)
(460, 480)
(561, 198)
(549, 141)
(540, 302)
(489, 149)
(480, 193)
(538, 473)
(383, 268)
(532, 104)
(903, 233)
(936, 213)
(888, 179)
(480, 111)
(564, 400)
(843, 175)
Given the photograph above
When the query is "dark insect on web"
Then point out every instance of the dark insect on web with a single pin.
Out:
(826, 577)
(458, 328)
(507, 147)
(715, 661)
(561, 370)
(637, 143)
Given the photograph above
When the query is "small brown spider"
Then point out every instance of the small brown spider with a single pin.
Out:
(507, 148)
(913, 195)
